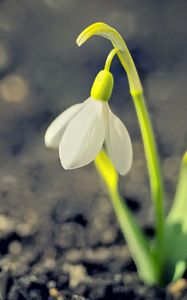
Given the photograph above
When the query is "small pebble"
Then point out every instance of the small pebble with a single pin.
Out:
(177, 287)
(51, 284)
(14, 248)
(50, 263)
(53, 292)
(6, 224)
(77, 274)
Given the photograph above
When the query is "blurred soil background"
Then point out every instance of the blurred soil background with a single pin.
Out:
(58, 234)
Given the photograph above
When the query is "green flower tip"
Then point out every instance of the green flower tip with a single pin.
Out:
(102, 86)
(185, 158)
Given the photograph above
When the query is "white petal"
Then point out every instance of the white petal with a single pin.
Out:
(55, 131)
(118, 144)
(84, 136)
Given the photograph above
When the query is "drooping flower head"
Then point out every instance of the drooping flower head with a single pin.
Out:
(81, 131)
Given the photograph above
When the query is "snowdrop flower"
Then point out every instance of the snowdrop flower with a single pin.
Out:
(82, 130)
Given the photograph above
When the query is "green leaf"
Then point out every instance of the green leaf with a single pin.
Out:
(178, 212)
(176, 227)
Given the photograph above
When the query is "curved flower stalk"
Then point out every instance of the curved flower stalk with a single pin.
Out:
(111, 34)
(157, 189)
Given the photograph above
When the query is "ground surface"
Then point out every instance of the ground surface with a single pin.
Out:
(58, 235)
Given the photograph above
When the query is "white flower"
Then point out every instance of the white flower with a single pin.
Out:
(82, 130)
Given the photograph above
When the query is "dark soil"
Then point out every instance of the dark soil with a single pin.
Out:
(76, 252)
(59, 238)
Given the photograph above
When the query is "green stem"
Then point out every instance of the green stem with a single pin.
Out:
(110, 59)
(135, 240)
(156, 183)
(150, 147)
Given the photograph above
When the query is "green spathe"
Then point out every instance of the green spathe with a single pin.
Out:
(102, 86)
